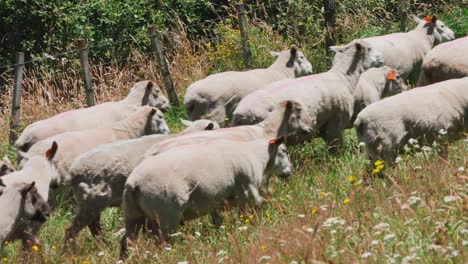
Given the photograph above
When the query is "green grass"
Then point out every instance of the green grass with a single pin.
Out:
(408, 216)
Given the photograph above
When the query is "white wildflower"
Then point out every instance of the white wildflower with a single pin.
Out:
(120, 232)
(175, 234)
(442, 132)
(381, 226)
(182, 262)
(398, 159)
(48, 56)
(464, 243)
(413, 141)
(461, 169)
(263, 258)
(376, 233)
(451, 198)
(333, 221)
(439, 225)
(301, 215)
(242, 228)
(168, 248)
(375, 242)
(413, 200)
(362, 144)
(310, 230)
(119, 262)
(197, 234)
(463, 231)
(324, 207)
(418, 167)
(408, 259)
(455, 253)
(389, 237)
(221, 252)
(366, 255)
(333, 231)
(349, 228)
(426, 148)
(101, 254)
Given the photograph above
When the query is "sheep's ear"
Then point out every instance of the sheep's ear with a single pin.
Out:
(338, 49)
(434, 19)
(50, 153)
(359, 47)
(416, 19)
(275, 54)
(293, 52)
(289, 105)
(210, 126)
(4, 167)
(186, 122)
(23, 155)
(149, 85)
(1, 183)
(28, 187)
(152, 111)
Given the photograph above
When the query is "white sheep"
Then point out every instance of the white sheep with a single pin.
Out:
(142, 93)
(147, 120)
(375, 84)
(327, 97)
(288, 118)
(444, 62)
(405, 51)
(191, 181)
(216, 96)
(6, 166)
(424, 113)
(20, 202)
(41, 170)
(99, 175)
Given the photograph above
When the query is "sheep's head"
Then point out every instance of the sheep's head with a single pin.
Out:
(295, 59)
(156, 123)
(35, 207)
(199, 125)
(154, 97)
(281, 165)
(394, 84)
(435, 27)
(296, 119)
(357, 55)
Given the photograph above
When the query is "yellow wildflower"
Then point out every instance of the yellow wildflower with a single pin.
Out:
(346, 201)
(351, 178)
(247, 221)
(35, 248)
(6, 242)
(378, 163)
(241, 216)
(323, 193)
(343, 188)
(226, 119)
(86, 262)
(264, 247)
(54, 248)
(314, 211)
(251, 216)
(5, 259)
(375, 171)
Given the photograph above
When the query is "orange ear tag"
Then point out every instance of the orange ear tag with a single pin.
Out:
(272, 141)
(391, 75)
(428, 19)
(48, 152)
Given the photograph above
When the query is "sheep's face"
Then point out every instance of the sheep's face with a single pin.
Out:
(199, 125)
(301, 66)
(35, 207)
(158, 99)
(444, 32)
(282, 165)
(371, 57)
(298, 120)
(6, 167)
(157, 124)
(394, 84)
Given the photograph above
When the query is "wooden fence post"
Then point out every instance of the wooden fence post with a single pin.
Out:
(159, 52)
(403, 16)
(329, 16)
(16, 102)
(83, 52)
(245, 37)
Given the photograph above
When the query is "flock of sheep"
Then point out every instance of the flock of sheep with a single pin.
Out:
(121, 153)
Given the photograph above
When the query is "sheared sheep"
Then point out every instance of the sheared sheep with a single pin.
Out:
(327, 97)
(142, 93)
(216, 96)
(194, 180)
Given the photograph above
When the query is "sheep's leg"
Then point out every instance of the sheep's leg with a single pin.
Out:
(216, 218)
(132, 227)
(95, 226)
(28, 235)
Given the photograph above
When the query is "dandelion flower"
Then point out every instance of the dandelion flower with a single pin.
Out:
(314, 211)
(323, 193)
(343, 188)
(35, 248)
(6, 242)
(264, 247)
(54, 248)
(346, 201)
(86, 262)
(351, 178)
(247, 221)
(251, 216)
(241, 216)
(5, 259)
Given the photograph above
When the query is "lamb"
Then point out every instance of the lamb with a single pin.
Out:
(216, 96)
(164, 193)
(6, 166)
(20, 202)
(375, 84)
(405, 51)
(287, 119)
(328, 96)
(99, 175)
(444, 62)
(41, 170)
(421, 113)
(147, 120)
(142, 93)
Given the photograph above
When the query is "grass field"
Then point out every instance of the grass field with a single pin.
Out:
(325, 212)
